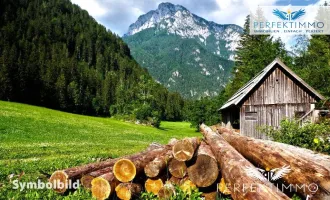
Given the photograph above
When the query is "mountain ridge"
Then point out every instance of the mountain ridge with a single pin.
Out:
(171, 40)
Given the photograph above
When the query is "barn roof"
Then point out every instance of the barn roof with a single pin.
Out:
(238, 97)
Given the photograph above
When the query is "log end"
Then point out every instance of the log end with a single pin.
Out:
(101, 188)
(204, 172)
(124, 170)
(59, 180)
(86, 181)
(153, 186)
(151, 170)
(177, 168)
(123, 192)
(183, 150)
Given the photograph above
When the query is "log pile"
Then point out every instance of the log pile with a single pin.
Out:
(222, 163)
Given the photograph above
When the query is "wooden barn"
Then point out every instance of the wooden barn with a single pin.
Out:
(273, 94)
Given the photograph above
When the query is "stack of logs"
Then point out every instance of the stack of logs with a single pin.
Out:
(223, 161)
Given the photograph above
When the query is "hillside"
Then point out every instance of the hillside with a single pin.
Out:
(183, 51)
(37, 140)
(54, 54)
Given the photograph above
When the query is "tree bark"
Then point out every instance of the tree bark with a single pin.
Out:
(236, 171)
(305, 169)
(103, 186)
(184, 150)
(127, 191)
(177, 168)
(73, 173)
(159, 164)
(204, 172)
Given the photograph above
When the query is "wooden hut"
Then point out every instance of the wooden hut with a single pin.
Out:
(273, 94)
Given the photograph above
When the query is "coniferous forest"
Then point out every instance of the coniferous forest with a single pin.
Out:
(54, 54)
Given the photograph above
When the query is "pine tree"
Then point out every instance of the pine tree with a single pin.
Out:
(254, 53)
(314, 64)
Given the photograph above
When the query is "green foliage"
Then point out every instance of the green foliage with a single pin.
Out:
(55, 55)
(296, 197)
(38, 141)
(205, 110)
(179, 195)
(254, 54)
(312, 136)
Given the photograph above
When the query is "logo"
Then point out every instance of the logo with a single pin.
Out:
(289, 15)
(292, 20)
(272, 175)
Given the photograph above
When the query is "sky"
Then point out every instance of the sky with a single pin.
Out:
(117, 15)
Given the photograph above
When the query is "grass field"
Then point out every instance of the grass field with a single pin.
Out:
(37, 141)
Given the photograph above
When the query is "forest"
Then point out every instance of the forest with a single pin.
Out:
(54, 54)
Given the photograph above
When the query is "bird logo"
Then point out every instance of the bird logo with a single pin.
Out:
(289, 15)
(268, 175)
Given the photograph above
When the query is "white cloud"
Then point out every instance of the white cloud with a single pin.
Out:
(235, 11)
(93, 7)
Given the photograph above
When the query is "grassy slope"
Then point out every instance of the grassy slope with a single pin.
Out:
(34, 140)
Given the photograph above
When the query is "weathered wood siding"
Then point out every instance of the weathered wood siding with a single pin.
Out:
(277, 97)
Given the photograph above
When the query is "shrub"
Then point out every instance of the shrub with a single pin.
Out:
(314, 136)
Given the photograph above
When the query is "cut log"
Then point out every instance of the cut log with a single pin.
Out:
(103, 185)
(166, 192)
(159, 164)
(184, 150)
(177, 168)
(61, 177)
(204, 172)
(124, 170)
(128, 191)
(304, 170)
(153, 186)
(86, 181)
(243, 178)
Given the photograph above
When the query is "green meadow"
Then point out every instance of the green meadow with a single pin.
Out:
(36, 141)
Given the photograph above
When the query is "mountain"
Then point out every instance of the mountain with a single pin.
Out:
(183, 51)
(54, 54)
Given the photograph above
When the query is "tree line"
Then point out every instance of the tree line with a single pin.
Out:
(53, 54)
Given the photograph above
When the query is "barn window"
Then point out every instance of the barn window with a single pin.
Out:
(299, 114)
(251, 116)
